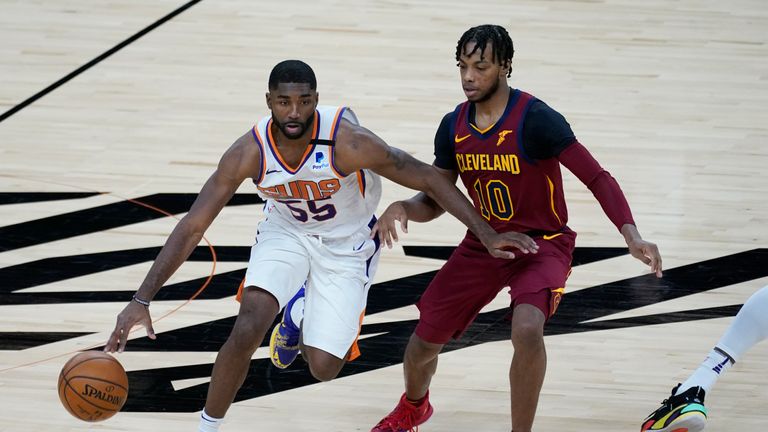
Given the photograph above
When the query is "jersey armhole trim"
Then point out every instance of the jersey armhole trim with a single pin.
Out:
(263, 165)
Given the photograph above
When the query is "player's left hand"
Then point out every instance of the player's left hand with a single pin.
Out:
(385, 227)
(499, 244)
(646, 252)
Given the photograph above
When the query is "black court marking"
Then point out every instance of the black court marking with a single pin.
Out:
(30, 197)
(102, 218)
(152, 390)
(97, 60)
(24, 340)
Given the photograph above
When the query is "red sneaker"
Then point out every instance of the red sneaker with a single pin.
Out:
(406, 417)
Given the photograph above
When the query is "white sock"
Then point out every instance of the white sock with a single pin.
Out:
(208, 423)
(708, 372)
(297, 312)
(748, 328)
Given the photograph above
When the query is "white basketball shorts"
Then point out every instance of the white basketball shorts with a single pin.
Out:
(338, 273)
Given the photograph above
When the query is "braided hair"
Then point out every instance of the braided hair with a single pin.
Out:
(503, 50)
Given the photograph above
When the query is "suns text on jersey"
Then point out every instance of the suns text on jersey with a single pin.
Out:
(308, 190)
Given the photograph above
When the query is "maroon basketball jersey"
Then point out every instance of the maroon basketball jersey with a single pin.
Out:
(509, 189)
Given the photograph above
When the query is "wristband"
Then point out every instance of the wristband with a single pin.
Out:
(140, 301)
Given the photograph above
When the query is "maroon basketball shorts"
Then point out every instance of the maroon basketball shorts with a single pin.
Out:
(471, 278)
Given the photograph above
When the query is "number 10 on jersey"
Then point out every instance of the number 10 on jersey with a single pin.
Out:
(494, 199)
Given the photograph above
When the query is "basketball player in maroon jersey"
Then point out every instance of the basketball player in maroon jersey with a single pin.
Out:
(507, 147)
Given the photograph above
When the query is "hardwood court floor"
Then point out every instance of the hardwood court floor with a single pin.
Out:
(670, 96)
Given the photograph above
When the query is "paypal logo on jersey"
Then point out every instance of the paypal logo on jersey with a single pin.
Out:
(320, 162)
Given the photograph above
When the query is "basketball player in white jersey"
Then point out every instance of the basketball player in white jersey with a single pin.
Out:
(684, 410)
(318, 170)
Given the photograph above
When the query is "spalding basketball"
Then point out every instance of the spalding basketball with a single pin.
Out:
(93, 386)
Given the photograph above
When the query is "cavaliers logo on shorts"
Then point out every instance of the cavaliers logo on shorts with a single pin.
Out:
(554, 301)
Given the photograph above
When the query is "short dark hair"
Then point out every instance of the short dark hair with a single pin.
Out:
(503, 50)
(292, 71)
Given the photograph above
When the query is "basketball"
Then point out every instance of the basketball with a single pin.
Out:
(93, 386)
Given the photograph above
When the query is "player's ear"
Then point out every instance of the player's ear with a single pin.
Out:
(269, 101)
(506, 69)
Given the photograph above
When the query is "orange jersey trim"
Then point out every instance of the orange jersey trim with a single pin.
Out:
(360, 183)
(552, 199)
(259, 142)
(336, 122)
(354, 350)
(484, 130)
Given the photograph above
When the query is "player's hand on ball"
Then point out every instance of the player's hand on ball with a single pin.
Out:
(133, 314)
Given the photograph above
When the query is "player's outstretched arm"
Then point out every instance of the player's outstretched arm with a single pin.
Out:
(608, 193)
(235, 166)
(420, 208)
(358, 148)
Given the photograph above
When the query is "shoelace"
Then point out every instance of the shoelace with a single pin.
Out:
(664, 403)
(396, 420)
(282, 341)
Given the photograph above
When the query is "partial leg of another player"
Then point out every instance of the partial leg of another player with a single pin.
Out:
(257, 312)
(413, 409)
(684, 410)
(529, 363)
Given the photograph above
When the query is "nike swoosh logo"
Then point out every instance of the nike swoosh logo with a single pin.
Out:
(458, 140)
(550, 237)
(272, 171)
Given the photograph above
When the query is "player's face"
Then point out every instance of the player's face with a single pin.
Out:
(293, 108)
(481, 76)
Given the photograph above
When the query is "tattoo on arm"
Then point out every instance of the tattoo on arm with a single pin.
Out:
(398, 157)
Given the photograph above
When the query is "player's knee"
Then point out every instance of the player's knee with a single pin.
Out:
(527, 334)
(250, 328)
(322, 365)
(325, 370)
(243, 341)
(420, 351)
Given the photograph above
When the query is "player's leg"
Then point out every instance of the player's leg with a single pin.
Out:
(529, 363)
(277, 265)
(746, 330)
(419, 366)
(684, 409)
(467, 282)
(536, 285)
(258, 309)
(337, 290)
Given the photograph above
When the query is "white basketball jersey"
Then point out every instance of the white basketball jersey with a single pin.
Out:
(315, 197)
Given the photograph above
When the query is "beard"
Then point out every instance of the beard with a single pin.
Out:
(303, 127)
(483, 97)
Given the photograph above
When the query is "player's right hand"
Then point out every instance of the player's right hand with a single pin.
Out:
(131, 315)
(499, 244)
(385, 227)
